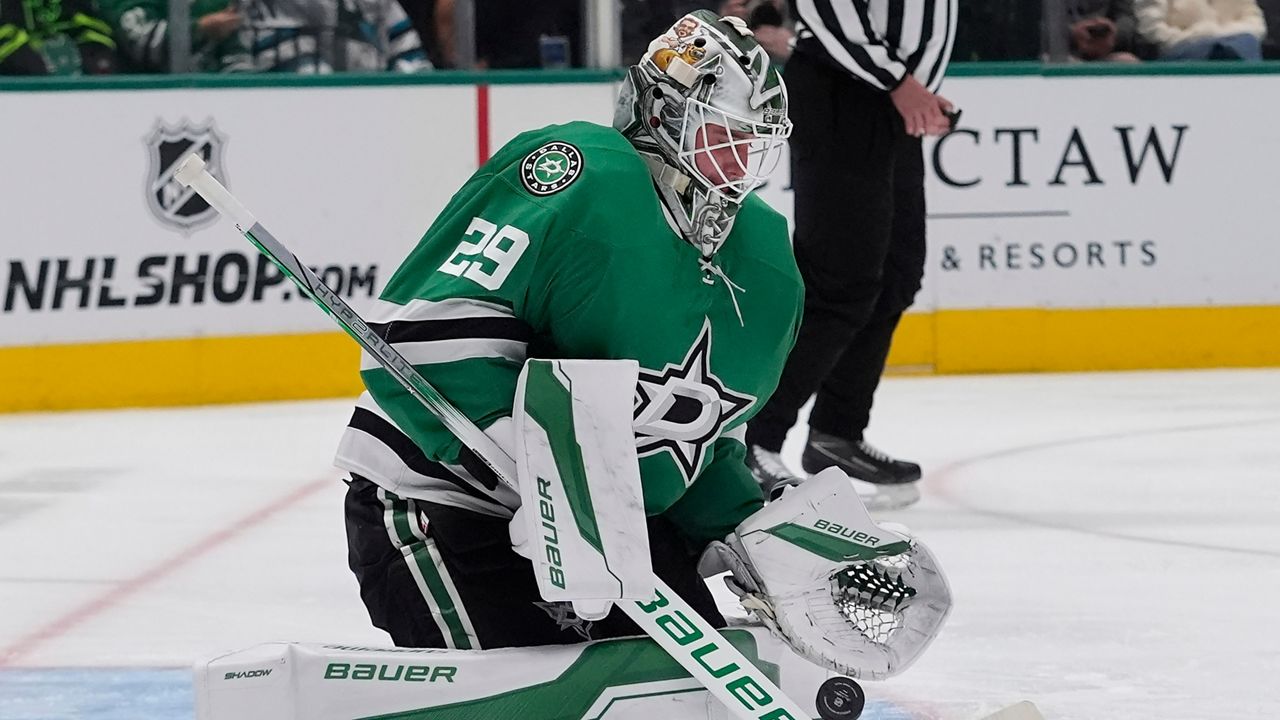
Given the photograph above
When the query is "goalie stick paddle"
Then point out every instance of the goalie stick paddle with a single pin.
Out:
(690, 640)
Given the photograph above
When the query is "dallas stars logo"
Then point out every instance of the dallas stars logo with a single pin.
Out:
(684, 408)
(550, 168)
(565, 618)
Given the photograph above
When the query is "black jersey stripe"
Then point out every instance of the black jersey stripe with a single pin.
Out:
(409, 453)
(489, 328)
(893, 28)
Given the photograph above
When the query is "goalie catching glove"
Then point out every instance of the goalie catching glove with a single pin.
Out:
(859, 598)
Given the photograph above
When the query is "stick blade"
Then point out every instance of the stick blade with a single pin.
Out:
(1025, 710)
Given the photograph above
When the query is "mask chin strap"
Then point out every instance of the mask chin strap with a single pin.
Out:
(672, 185)
(664, 174)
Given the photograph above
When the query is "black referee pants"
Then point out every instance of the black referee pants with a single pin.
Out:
(859, 243)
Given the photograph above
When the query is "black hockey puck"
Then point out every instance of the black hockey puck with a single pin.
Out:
(840, 698)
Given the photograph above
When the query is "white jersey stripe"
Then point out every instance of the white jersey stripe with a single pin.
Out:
(446, 351)
(878, 14)
(912, 17)
(368, 457)
(382, 311)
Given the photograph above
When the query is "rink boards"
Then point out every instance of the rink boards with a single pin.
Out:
(1077, 221)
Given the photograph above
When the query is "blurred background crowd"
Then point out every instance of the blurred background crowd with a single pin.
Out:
(93, 37)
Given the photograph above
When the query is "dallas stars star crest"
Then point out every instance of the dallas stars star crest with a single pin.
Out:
(684, 408)
(565, 618)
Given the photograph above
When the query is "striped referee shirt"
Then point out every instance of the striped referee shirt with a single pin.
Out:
(879, 41)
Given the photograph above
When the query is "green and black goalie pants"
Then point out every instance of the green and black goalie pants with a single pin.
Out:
(437, 576)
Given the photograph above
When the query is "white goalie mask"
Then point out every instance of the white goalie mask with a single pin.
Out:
(709, 114)
(859, 598)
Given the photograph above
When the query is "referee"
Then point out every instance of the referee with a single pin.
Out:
(862, 83)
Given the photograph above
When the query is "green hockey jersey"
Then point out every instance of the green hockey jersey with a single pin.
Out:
(559, 247)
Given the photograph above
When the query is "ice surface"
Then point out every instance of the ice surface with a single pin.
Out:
(1112, 540)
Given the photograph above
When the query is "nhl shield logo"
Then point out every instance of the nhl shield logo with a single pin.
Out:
(173, 203)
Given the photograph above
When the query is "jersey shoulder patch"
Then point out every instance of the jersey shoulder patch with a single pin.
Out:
(547, 161)
(551, 168)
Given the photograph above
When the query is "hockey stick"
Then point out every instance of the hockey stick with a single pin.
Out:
(690, 640)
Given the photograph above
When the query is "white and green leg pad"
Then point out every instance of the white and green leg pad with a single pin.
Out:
(624, 679)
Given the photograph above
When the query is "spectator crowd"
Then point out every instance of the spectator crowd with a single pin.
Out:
(94, 37)
(1126, 31)
(99, 37)
(1134, 30)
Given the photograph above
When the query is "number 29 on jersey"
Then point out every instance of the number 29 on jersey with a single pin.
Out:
(488, 259)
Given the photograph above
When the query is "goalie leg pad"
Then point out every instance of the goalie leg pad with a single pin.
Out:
(624, 679)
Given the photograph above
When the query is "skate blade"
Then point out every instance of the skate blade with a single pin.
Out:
(880, 498)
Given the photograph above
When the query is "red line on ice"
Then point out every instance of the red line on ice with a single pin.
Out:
(186, 556)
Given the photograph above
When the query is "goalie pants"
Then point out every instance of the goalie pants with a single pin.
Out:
(436, 576)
